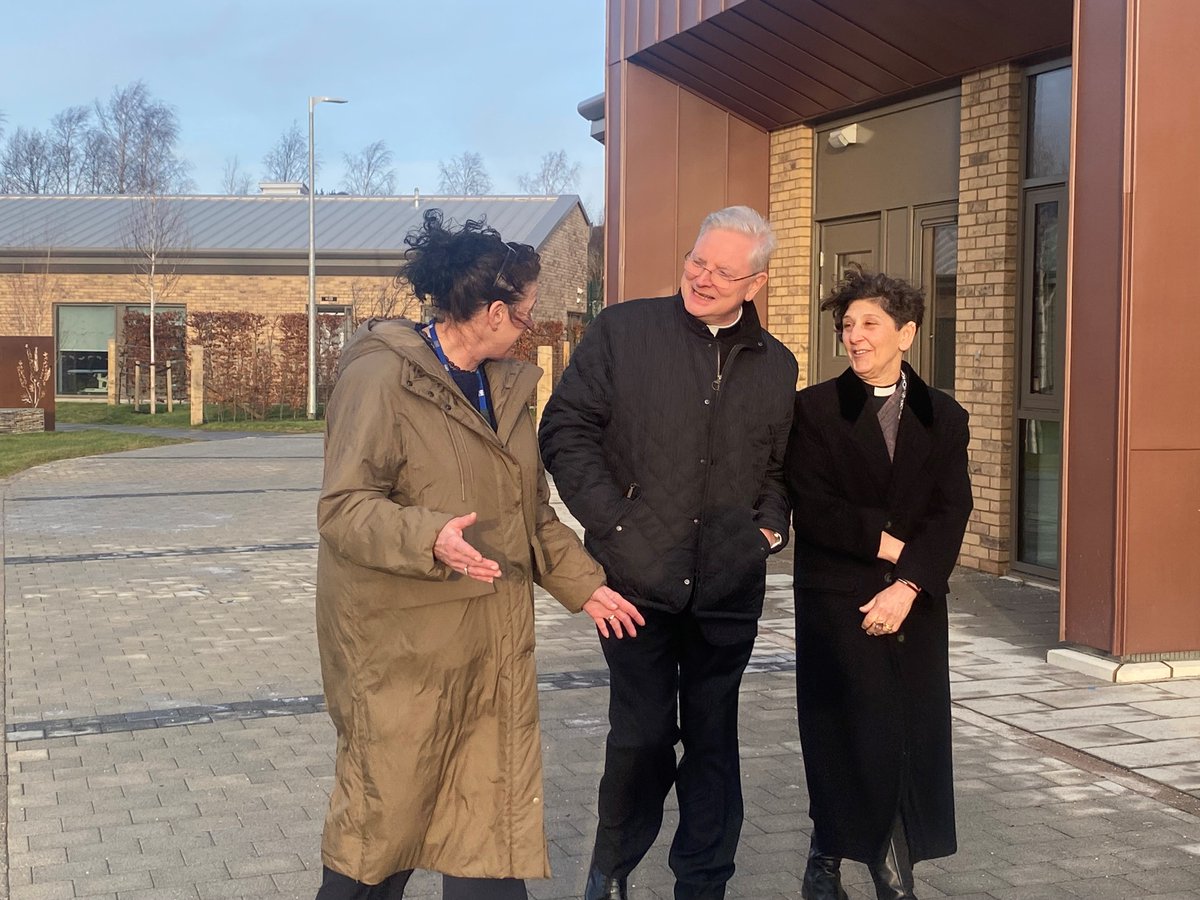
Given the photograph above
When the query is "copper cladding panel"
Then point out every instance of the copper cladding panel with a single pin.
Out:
(817, 58)
(1164, 313)
(1163, 489)
(678, 158)
(1095, 266)
(1164, 567)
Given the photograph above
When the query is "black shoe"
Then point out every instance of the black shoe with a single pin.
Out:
(822, 877)
(604, 887)
(893, 874)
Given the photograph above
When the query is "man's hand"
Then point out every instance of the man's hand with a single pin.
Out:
(451, 549)
(609, 609)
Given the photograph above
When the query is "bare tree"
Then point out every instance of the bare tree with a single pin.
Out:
(156, 237)
(556, 175)
(25, 163)
(288, 159)
(369, 172)
(68, 141)
(235, 180)
(464, 176)
(140, 133)
(381, 299)
(34, 290)
(95, 167)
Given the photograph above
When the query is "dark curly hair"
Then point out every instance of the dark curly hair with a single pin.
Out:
(463, 270)
(899, 299)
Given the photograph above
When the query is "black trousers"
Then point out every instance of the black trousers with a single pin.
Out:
(673, 683)
(336, 886)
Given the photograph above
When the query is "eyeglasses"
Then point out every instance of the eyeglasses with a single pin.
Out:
(524, 321)
(512, 250)
(720, 278)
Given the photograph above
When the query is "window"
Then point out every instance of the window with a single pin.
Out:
(83, 336)
(1041, 339)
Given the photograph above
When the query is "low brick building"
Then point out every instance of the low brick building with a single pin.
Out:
(70, 266)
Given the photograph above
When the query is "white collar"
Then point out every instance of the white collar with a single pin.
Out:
(715, 328)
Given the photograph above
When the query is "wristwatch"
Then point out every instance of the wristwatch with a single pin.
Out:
(776, 540)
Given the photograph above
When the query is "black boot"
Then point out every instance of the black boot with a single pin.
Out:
(893, 874)
(822, 876)
(604, 887)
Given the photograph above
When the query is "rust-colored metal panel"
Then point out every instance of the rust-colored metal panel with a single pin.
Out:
(1164, 568)
(1090, 588)
(749, 183)
(647, 24)
(614, 41)
(614, 150)
(1163, 372)
(793, 86)
(843, 54)
(650, 195)
(703, 163)
(13, 353)
(711, 74)
(810, 52)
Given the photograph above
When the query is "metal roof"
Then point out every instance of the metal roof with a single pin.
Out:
(267, 225)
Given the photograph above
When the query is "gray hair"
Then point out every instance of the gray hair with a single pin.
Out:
(743, 220)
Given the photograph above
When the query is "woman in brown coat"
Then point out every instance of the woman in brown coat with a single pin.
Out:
(435, 524)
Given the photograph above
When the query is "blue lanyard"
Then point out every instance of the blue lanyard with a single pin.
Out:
(481, 402)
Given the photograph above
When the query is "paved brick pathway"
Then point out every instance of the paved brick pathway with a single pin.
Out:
(166, 735)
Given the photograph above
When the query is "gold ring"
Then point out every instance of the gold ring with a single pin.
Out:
(465, 570)
(613, 617)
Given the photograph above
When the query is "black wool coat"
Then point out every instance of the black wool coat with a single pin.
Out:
(670, 470)
(875, 711)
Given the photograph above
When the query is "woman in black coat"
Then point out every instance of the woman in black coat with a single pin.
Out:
(877, 472)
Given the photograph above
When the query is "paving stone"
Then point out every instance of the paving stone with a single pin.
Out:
(161, 697)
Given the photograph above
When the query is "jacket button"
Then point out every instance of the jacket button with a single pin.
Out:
(887, 578)
(695, 521)
(447, 407)
(703, 461)
(887, 524)
(687, 581)
(620, 528)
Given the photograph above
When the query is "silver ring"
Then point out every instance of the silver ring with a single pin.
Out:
(613, 617)
(466, 570)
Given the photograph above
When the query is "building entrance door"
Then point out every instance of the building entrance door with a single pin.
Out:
(841, 243)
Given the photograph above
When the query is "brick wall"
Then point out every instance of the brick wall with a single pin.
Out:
(562, 287)
(988, 252)
(791, 215)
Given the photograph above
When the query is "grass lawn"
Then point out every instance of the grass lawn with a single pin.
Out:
(124, 414)
(20, 451)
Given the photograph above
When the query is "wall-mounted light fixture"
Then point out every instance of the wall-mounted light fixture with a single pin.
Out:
(846, 135)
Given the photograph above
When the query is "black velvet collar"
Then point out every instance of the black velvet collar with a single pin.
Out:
(852, 396)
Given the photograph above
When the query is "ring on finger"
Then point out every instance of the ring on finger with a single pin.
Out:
(612, 618)
(467, 570)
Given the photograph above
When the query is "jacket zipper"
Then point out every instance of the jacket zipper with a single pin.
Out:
(712, 429)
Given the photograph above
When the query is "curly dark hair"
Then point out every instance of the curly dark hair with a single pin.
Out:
(899, 299)
(465, 269)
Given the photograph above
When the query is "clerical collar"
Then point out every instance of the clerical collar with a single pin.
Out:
(715, 328)
(886, 390)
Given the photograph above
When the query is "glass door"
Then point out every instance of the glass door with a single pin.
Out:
(842, 243)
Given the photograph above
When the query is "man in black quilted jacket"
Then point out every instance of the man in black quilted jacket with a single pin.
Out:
(666, 439)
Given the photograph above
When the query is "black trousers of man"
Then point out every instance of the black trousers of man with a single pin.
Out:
(676, 681)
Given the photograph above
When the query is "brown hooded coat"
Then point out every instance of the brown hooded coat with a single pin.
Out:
(429, 675)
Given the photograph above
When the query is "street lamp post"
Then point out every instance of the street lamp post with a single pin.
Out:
(312, 261)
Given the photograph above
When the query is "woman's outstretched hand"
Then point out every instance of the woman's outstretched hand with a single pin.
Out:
(451, 549)
(609, 610)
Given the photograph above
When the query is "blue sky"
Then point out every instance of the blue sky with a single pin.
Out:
(432, 78)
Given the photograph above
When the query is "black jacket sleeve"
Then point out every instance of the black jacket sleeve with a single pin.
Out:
(772, 509)
(572, 429)
(932, 549)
